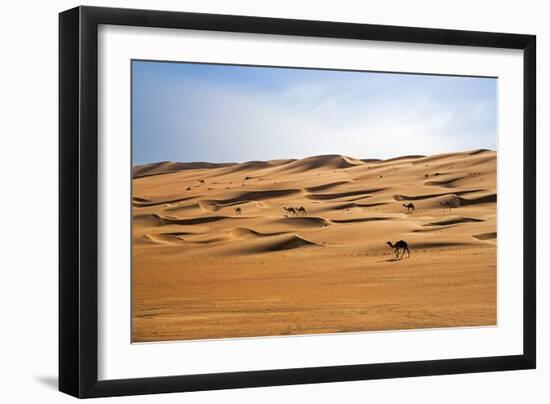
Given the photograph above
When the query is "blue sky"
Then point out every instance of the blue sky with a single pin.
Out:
(222, 113)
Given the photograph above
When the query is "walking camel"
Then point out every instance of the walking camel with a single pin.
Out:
(238, 211)
(289, 211)
(400, 245)
(410, 207)
(302, 210)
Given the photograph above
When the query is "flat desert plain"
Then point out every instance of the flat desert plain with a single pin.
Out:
(216, 255)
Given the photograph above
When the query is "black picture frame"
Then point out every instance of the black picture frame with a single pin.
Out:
(78, 201)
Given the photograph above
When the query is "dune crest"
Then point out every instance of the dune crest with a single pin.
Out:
(271, 244)
(168, 167)
(329, 161)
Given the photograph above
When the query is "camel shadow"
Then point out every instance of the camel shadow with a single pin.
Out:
(391, 260)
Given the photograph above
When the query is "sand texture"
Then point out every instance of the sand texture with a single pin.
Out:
(215, 255)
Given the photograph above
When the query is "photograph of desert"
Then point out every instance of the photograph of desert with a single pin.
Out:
(309, 243)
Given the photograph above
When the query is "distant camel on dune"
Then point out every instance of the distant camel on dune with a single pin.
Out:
(302, 210)
(289, 211)
(446, 205)
(400, 245)
(410, 207)
(238, 211)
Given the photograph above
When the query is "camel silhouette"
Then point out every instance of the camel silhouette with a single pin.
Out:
(410, 207)
(238, 211)
(289, 211)
(302, 210)
(446, 204)
(400, 245)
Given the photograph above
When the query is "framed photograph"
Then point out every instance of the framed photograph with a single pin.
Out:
(251, 202)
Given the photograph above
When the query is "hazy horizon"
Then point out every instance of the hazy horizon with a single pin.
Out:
(190, 112)
(303, 157)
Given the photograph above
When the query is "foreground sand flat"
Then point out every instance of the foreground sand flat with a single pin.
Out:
(203, 270)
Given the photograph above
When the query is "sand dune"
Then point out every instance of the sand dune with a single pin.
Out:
(448, 182)
(309, 221)
(365, 193)
(202, 268)
(491, 198)
(430, 196)
(478, 151)
(454, 220)
(486, 236)
(244, 232)
(327, 162)
(349, 205)
(268, 244)
(259, 195)
(167, 167)
(142, 202)
(401, 158)
(360, 219)
(324, 187)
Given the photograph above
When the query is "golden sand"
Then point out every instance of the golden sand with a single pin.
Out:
(202, 268)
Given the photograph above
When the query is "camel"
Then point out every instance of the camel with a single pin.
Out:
(289, 211)
(400, 245)
(410, 207)
(238, 211)
(302, 210)
(447, 204)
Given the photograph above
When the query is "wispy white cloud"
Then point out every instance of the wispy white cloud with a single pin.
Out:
(379, 117)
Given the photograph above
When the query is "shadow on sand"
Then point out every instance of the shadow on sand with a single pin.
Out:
(391, 260)
(394, 260)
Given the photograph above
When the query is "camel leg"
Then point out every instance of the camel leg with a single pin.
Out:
(397, 253)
